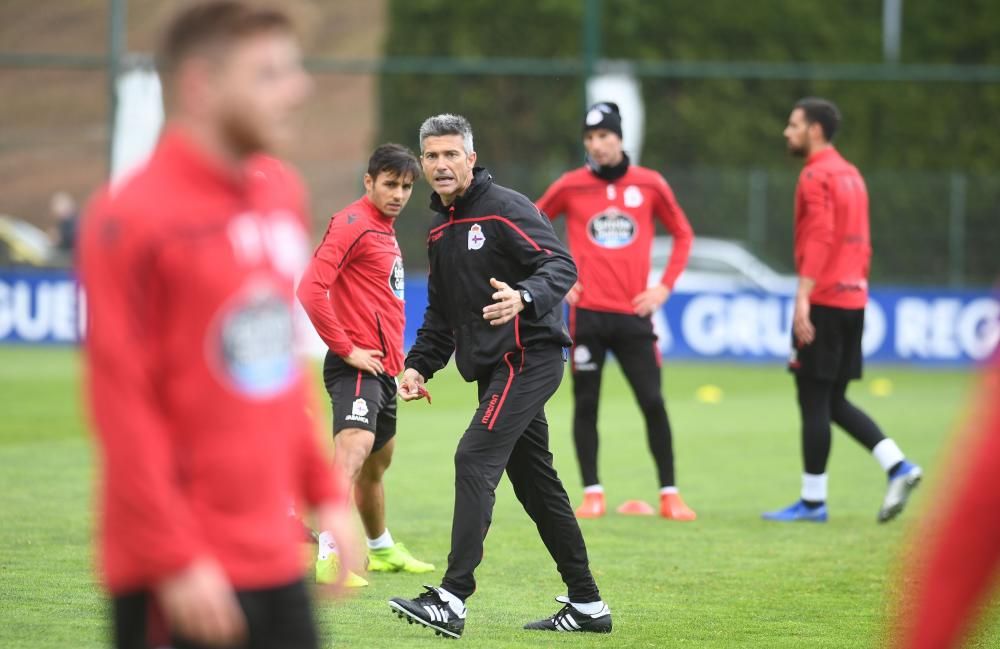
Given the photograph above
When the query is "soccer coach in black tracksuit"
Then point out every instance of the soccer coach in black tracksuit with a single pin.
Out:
(498, 275)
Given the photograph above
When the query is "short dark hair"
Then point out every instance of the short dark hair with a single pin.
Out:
(823, 112)
(215, 23)
(395, 159)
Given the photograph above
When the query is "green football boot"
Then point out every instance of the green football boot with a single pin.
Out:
(327, 570)
(396, 559)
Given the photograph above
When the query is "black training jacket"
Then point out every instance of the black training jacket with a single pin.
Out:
(490, 231)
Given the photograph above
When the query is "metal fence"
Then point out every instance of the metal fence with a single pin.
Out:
(931, 228)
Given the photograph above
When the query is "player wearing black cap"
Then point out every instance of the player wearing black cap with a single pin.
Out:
(610, 205)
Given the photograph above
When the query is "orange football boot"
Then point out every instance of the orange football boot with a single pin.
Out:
(672, 506)
(592, 506)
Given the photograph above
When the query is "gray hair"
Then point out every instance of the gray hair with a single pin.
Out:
(447, 124)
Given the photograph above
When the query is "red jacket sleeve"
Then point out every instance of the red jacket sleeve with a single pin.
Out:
(959, 550)
(319, 279)
(816, 224)
(670, 214)
(144, 514)
(553, 201)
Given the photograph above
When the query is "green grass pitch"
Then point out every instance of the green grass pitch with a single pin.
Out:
(727, 580)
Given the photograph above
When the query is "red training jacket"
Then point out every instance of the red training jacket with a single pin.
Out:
(610, 230)
(958, 551)
(832, 242)
(197, 397)
(360, 265)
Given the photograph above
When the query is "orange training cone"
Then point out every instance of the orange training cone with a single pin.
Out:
(636, 508)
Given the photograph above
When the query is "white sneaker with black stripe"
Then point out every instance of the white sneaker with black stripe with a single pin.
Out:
(569, 619)
(432, 610)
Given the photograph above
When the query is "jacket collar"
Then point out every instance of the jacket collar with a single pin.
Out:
(610, 172)
(375, 213)
(481, 181)
(828, 153)
(177, 149)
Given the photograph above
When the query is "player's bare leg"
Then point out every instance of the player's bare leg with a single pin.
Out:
(384, 554)
(369, 492)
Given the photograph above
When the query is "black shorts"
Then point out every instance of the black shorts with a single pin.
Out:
(628, 336)
(278, 618)
(361, 400)
(835, 353)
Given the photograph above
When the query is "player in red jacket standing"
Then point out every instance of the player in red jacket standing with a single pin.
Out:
(352, 291)
(196, 393)
(609, 205)
(832, 257)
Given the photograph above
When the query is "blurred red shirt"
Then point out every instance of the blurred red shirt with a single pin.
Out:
(197, 396)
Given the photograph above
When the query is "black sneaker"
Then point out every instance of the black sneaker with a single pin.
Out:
(570, 619)
(432, 611)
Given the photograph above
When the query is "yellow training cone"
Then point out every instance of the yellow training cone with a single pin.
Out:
(708, 394)
(880, 387)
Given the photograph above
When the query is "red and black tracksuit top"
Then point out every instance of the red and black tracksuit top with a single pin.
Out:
(352, 289)
(196, 393)
(832, 240)
(610, 227)
(490, 231)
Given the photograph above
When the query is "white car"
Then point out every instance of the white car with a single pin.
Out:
(720, 265)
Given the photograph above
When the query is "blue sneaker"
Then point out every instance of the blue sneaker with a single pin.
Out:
(798, 512)
(902, 481)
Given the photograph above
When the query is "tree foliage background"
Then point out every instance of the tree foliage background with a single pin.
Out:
(705, 135)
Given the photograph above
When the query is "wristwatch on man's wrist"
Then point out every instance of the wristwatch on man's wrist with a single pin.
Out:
(525, 296)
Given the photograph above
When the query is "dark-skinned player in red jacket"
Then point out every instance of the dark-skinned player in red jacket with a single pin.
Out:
(353, 293)
(832, 258)
(610, 206)
(196, 392)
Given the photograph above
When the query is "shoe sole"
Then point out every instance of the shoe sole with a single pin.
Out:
(606, 630)
(404, 614)
(408, 571)
(793, 520)
(910, 483)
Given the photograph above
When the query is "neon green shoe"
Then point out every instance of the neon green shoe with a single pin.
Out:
(327, 570)
(396, 559)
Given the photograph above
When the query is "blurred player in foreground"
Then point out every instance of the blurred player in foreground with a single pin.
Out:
(352, 291)
(832, 258)
(498, 275)
(196, 393)
(609, 205)
(956, 552)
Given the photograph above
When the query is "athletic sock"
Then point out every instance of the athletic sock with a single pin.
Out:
(327, 546)
(593, 489)
(589, 608)
(814, 489)
(668, 490)
(888, 454)
(453, 601)
(382, 542)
